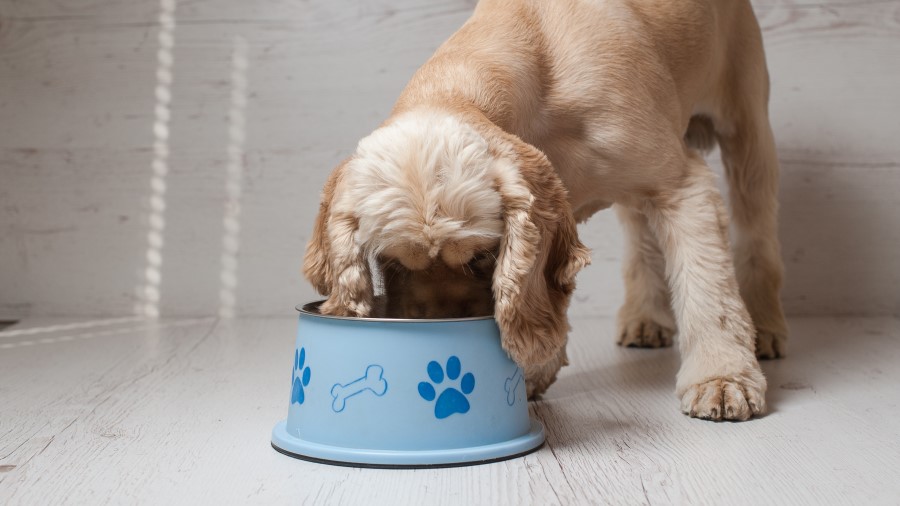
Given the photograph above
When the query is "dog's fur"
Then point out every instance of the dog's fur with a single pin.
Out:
(536, 114)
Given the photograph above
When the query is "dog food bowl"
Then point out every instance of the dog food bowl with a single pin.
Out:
(373, 392)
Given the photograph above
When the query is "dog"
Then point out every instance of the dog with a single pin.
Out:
(534, 116)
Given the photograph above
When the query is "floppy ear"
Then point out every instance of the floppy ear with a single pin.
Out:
(334, 263)
(316, 266)
(540, 254)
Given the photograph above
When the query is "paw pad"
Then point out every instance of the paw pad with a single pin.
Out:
(300, 377)
(451, 400)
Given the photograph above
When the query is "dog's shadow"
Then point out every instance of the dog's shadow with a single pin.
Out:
(601, 399)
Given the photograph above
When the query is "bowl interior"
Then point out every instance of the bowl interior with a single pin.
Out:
(312, 309)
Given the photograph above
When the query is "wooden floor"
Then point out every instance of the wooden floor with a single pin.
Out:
(179, 412)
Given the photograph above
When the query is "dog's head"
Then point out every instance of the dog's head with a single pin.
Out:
(460, 220)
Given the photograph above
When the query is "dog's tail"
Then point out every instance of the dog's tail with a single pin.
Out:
(700, 134)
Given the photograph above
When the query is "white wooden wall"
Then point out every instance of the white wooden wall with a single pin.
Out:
(155, 154)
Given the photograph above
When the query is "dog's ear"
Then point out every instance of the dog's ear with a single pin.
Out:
(316, 265)
(540, 254)
(335, 263)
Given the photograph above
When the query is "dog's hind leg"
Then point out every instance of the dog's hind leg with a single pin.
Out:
(752, 171)
(645, 319)
(751, 167)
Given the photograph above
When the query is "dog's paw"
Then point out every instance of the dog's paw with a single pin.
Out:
(724, 399)
(644, 333)
(538, 379)
(333, 307)
(770, 345)
(534, 389)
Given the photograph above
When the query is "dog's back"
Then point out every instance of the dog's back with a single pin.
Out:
(587, 81)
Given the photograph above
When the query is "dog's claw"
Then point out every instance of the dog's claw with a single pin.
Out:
(770, 345)
(722, 399)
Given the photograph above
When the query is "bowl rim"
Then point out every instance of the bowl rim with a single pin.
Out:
(312, 309)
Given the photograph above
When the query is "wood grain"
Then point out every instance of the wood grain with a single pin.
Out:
(124, 410)
(77, 83)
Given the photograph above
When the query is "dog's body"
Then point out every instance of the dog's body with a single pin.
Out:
(536, 114)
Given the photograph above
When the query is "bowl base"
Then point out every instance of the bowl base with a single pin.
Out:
(293, 446)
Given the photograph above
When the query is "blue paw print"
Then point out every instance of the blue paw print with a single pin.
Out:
(451, 400)
(301, 377)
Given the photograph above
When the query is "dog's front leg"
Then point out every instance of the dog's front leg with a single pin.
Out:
(720, 377)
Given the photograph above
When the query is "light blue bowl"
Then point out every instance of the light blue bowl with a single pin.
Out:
(375, 392)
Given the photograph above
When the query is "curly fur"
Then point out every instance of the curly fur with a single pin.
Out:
(537, 114)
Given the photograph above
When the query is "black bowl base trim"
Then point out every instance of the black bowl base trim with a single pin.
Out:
(405, 466)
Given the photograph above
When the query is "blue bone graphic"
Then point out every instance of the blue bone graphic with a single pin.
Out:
(511, 385)
(371, 381)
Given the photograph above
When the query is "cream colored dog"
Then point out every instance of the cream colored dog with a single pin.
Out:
(537, 114)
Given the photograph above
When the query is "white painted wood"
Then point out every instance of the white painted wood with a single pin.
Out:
(77, 81)
(122, 411)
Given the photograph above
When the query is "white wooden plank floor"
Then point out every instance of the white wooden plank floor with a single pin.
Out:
(179, 412)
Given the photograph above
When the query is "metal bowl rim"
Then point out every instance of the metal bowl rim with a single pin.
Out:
(312, 309)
